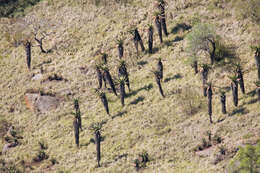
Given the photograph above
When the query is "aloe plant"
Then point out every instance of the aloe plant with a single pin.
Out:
(160, 68)
(204, 75)
(150, 39)
(137, 39)
(97, 141)
(108, 77)
(99, 76)
(28, 46)
(257, 59)
(158, 26)
(209, 93)
(161, 7)
(122, 90)
(195, 66)
(234, 88)
(120, 48)
(223, 101)
(258, 89)
(104, 58)
(76, 130)
(158, 81)
(103, 99)
(78, 115)
(122, 72)
(240, 78)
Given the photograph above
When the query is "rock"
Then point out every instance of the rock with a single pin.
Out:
(206, 152)
(46, 103)
(41, 103)
(30, 99)
(8, 146)
(37, 77)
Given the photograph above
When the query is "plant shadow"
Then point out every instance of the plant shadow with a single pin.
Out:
(142, 63)
(176, 76)
(180, 27)
(137, 100)
(134, 92)
(239, 110)
(119, 114)
(178, 38)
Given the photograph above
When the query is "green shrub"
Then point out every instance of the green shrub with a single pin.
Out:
(247, 160)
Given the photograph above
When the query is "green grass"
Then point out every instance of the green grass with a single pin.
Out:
(164, 127)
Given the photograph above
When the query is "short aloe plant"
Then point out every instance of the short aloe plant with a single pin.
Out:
(122, 90)
(257, 59)
(209, 93)
(223, 101)
(158, 81)
(122, 72)
(240, 77)
(150, 38)
(204, 75)
(103, 99)
(28, 47)
(77, 114)
(96, 128)
(160, 67)
(76, 130)
(234, 88)
(158, 25)
(120, 48)
(108, 77)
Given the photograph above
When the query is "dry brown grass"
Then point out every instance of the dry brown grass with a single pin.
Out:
(162, 127)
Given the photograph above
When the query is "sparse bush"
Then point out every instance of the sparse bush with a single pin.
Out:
(190, 101)
(142, 160)
(248, 9)
(246, 160)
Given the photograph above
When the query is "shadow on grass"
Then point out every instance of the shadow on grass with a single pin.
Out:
(176, 76)
(134, 92)
(178, 38)
(142, 63)
(119, 114)
(239, 110)
(180, 27)
(252, 93)
(137, 100)
(252, 101)
(121, 156)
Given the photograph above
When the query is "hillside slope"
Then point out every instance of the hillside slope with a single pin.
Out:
(168, 129)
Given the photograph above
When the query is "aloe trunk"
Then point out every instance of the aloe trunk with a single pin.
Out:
(212, 54)
(78, 115)
(210, 103)
(139, 40)
(97, 140)
(159, 28)
(258, 93)
(28, 54)
(150, 39)
(257, 59)
(163, 19)
(234, 87)
(104, 79)
(120, 50)
(99, 76)
(223, 103)
(195, 66)
(104, 58)
(110, 81)
(158, 81)
(204, 74)
(104, 102)
(160, 69)
(76, 131)
(122, 92)
(241, 80)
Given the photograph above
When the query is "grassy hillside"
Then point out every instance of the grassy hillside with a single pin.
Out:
(169, 129)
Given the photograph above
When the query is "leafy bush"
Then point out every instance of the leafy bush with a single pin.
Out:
(247, 160)
(8, 8)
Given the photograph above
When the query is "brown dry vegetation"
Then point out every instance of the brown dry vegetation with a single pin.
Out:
(168, 129)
